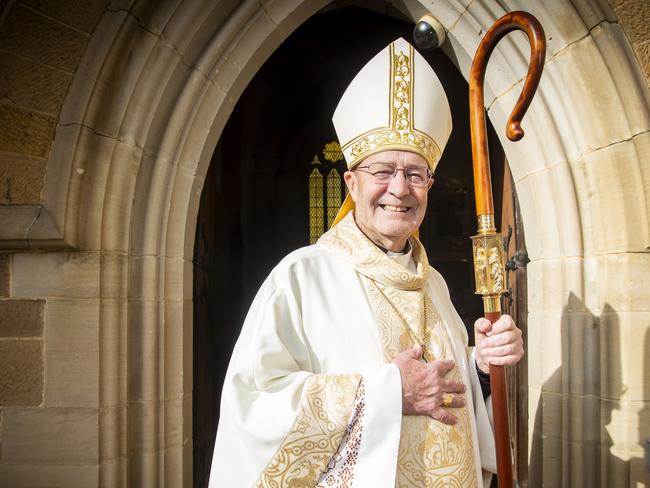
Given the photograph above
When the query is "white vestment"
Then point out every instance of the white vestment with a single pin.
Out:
(309, 398)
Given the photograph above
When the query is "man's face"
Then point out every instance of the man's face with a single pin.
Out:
(388, 213)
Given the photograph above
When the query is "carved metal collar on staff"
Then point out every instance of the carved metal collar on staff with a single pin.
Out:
(487, 245)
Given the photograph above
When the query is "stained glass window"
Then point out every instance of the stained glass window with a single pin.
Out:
(316, 205)
(326, 189)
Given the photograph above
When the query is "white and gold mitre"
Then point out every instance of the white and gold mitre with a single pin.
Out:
(396, 102)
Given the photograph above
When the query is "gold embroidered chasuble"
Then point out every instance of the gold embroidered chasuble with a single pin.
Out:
(321, 422)
(431, 454)
(311, 398)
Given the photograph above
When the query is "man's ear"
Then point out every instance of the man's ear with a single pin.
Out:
(351, 181)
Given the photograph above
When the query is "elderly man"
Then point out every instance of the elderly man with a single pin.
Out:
(352, 367)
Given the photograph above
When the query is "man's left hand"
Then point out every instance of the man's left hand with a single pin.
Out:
(499, 343)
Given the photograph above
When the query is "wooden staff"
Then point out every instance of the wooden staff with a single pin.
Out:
(487, 244)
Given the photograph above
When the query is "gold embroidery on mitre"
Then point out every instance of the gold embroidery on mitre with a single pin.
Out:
(431, 454)
(401, 133)
(321, 422)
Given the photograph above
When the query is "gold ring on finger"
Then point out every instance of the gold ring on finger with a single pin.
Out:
(447, 399)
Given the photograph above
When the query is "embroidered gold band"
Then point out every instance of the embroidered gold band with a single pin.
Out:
(321, 422)
(384, 139)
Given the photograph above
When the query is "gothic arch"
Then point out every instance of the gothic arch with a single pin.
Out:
(143, 116)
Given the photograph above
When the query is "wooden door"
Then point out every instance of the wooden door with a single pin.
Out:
(515, 305)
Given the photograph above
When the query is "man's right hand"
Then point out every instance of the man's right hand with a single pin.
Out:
(424, 386)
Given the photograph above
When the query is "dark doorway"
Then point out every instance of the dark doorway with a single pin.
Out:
(255, 203)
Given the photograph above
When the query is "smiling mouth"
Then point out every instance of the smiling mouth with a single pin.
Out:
(394, 208)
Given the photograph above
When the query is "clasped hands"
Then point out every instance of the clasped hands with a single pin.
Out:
(425, 391)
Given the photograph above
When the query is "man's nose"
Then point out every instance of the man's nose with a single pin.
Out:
(399, 185)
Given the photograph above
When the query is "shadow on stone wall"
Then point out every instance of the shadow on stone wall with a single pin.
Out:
(571, 444)
(640, 468)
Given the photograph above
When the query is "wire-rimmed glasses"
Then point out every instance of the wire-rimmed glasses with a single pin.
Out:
(383, 173)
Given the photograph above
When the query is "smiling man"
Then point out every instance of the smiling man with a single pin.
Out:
(353, 367)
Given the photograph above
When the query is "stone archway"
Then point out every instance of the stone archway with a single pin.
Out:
(133, 144)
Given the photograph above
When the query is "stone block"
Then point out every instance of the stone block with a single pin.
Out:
(39, 476)
(147, 416)
(143, 342)
(114, 279)
(31, 85)
(549, 411)
(209, 120)
(33, 36)
(112, 424)
(80, 15)
(580, 464)
(178, 421)
(72, 353)
(50, 436)
(144, 276)
(154, 20)
(592, 12)
(115, 210)
(152, 185)
(113, 343)
(591, 76)
(56, 274)
(639, 471)
(625, 361)
(509, 60)
(21, 318)
(632, 94)
(166, 126)
(288, 15)
(555, 284)
(583, 417)
(620, 282)
(178, 348)
(21, 381)
(634, 17)
(82, 157)
(557, 232)
(21, 179)
(563, 22)
(642, 51)
(143, 468)
(614, 467)
(114, 473)
(544, 350)
(255, 40)
(615, 3)
(83, 86)
(185, 201)
(625, 425)
(24, 132)
(178, 279)
(175, 459)
(147, 97)
(121, 71)
(582, 354)
(546, 467)
(16, 220)
(642, 152)
(204, 20)
(464, 34)
(5, 275)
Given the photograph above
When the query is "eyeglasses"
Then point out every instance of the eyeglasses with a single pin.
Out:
(384, 172)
